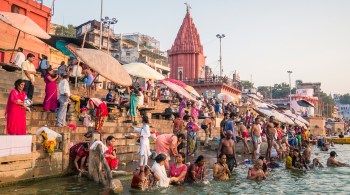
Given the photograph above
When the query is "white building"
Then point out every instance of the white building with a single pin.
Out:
(307, 95)
(343, 111)
(136, 47)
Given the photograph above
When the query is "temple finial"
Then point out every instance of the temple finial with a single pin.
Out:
(188, 7)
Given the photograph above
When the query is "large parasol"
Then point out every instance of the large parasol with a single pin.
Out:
(178, 89)
(142, 70)
(225, 97)
(105, 65)
(278, 116)
(185, 86)
(23, 24)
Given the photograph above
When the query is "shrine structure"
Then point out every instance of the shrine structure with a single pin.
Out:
(187, 63)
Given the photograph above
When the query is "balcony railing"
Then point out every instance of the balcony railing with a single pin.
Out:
(212, 81)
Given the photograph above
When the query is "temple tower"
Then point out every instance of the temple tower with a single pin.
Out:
(186, 58)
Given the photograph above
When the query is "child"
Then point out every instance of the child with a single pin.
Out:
(86, 117)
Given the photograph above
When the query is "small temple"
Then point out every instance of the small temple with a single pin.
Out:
(187, 63)
(186, 54)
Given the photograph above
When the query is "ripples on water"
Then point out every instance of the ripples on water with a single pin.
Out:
(280, 181)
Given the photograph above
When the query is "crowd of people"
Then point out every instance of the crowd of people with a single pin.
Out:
(289, 143)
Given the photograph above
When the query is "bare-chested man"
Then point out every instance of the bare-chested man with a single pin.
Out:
(243, 132)
(256, 138)
(307, 153)
(270, 135)
(332, 162)
(227, 147)
(207, 125)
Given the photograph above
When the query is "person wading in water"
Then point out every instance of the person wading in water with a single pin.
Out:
(227, 147)
(270, 135)
(256, 137)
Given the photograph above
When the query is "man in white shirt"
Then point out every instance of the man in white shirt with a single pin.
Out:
(19, 58)
(167, 94)
(28, 75)
(64, 99)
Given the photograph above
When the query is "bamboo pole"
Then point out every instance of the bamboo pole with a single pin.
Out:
(76, 71)
(14, 47)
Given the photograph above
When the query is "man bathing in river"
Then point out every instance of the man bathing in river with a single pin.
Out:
(331, 162)
(227, 147)
(256, 137)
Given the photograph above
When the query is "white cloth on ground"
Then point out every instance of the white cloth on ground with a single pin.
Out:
(51, 135)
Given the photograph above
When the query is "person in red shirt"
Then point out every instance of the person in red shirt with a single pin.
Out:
(79, 153)
(111, 154)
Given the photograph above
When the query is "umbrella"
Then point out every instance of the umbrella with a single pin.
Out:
(105, 65)
(225, 97)
(278, 116)
(304, 103)
(62, 47)
(183, 85)
(296, 118)
(178, 89)
(23, 24)
(192, 90)
(143, 71)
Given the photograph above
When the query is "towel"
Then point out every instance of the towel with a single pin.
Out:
(96, 143)
(51, 135)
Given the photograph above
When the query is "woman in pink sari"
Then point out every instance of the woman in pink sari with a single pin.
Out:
(182, 107)
(16, 110)
(194, 111)
(50, 101)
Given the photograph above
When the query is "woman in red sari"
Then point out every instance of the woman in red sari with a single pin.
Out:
(16, 110)
(111, 154)
(50, 101)
(101, 112)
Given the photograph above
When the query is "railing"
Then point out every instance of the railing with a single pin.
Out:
(212, 81)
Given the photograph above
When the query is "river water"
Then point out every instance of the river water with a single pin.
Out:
(280, 181)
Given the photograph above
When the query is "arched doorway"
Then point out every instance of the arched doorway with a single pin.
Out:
(180, 76)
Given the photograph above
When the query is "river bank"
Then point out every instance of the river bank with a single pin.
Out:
(281, 181)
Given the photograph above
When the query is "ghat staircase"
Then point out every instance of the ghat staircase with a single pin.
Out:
(39, 163)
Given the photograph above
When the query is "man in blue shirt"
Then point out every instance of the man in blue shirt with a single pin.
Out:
(109, 96)
(229, 125)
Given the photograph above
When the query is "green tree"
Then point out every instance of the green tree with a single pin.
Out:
(265, 91)
(69, 31)
(246, 85)
(280, 91)
(344, 99)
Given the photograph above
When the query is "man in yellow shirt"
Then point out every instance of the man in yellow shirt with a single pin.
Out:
(28, 75)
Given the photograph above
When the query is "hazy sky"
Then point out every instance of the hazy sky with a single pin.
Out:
(264, 38)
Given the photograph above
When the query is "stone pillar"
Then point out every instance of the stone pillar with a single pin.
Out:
(65, 151)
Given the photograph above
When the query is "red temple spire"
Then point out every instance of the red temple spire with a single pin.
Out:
(186, 54)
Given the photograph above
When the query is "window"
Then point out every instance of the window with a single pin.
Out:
(180, 76)
(128, 53)
(18, 10)
(15, 9)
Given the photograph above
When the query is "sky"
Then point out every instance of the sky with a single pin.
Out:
(264, 38)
